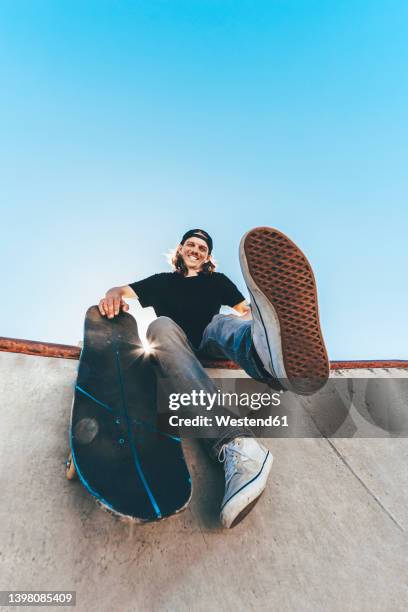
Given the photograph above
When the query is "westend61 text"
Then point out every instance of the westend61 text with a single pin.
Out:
(205, 400)
(227, 421)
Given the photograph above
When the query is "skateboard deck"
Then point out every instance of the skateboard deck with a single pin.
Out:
(131, 468)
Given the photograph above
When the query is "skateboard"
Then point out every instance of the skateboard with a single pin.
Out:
(119, 454)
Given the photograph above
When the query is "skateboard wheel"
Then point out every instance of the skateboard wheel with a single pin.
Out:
(70, 471)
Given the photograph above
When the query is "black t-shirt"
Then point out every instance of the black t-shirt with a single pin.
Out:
(190, 301)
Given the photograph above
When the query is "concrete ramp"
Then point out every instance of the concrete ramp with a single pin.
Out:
(329, 533)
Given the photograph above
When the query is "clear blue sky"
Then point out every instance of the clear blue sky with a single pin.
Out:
(124, 123)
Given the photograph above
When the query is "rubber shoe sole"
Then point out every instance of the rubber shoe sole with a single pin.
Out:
(242, 502)
(286, 327)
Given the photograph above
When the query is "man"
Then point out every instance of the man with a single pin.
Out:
(275, 339)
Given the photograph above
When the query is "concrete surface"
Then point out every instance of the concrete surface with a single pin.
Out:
(329, 533)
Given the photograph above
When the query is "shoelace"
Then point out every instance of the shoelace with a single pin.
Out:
(229, 455)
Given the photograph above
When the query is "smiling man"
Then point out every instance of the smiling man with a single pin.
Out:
(275, 340)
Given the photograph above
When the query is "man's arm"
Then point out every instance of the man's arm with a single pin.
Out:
(113, 301)
(244, 309)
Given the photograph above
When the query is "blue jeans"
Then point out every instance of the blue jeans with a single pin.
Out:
(177, 362)
(229, 336)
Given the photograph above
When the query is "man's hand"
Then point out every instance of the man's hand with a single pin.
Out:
(113, 303)
(244, 309)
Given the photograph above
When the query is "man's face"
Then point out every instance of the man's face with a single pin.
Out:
(194, 252)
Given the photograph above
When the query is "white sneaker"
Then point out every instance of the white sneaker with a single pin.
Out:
(247, 465)
(285, 317)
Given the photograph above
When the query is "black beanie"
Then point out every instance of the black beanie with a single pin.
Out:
(199, 233)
